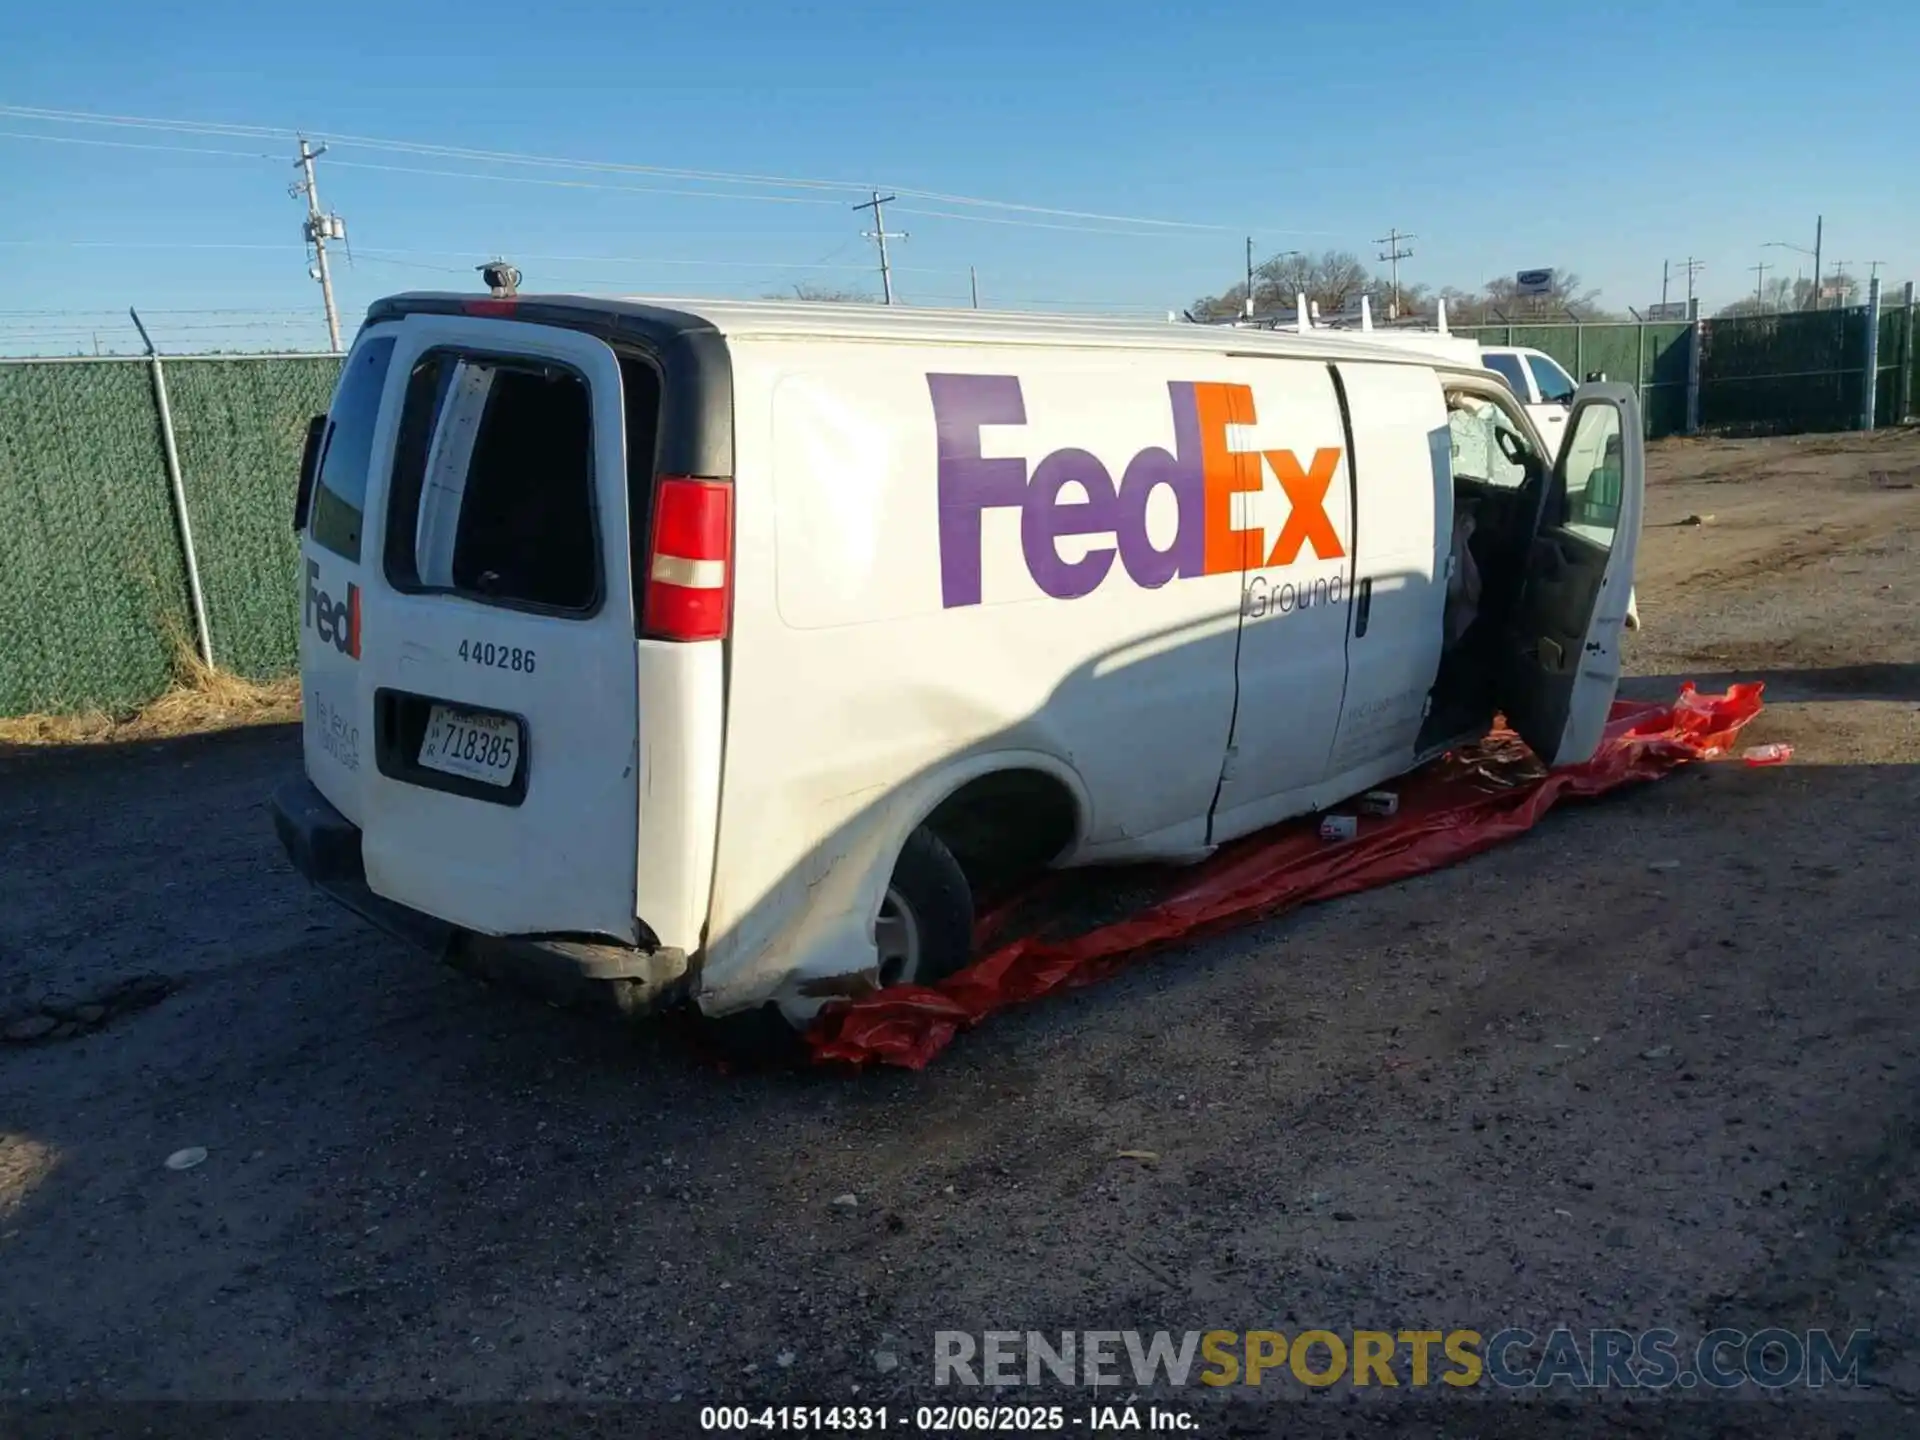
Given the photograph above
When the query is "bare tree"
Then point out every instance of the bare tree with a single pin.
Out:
(1775, 296)
(1330, 280)
(1501, 301)
(826, 294)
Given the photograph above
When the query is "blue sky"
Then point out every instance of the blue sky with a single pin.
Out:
(1503, 136)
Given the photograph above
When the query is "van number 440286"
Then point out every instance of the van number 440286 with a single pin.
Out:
(497, 657)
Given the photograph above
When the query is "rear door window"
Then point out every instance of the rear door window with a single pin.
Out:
(493, 484)
(1508, 369)
(340, 492)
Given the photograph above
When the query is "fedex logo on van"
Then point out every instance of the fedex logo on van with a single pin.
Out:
(1200, 471)
(336, 622)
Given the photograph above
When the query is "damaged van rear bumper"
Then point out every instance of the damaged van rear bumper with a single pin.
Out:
(324, 846)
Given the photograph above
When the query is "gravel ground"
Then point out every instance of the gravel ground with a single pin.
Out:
(1549, 1086)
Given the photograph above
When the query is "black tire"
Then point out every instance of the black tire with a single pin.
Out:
(930, 884)
(933, 888)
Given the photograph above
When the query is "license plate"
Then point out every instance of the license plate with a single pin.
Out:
(479, 747)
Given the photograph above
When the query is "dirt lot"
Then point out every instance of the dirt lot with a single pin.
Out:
(1549, 1086)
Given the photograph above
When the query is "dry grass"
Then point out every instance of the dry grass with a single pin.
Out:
(201, 698)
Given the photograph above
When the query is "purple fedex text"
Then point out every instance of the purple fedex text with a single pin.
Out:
(970, 485)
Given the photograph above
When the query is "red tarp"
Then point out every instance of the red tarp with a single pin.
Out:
(1455, 807)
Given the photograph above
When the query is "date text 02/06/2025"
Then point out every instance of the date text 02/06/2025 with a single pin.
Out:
(947, 1419)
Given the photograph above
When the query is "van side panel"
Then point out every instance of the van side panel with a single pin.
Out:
(952, 559)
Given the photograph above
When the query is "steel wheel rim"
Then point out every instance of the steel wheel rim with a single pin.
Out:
(896, 936)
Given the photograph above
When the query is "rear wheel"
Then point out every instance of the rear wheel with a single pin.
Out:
(924, 931)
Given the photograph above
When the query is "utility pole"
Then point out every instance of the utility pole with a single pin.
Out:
(1693, 267)
(1842, 292)
(973, 284)
(880, 236)
(1393, 255)
(320, 228)
(1819, 226)
(1873, 270)
(1760, 282)
(1663, 285)
(1247, 308)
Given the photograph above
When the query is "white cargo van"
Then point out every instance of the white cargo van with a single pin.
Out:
(725, 652)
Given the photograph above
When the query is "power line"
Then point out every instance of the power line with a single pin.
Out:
(376, 252)
(583, 184)
(372, 166)
(134, 145)
(231, 131)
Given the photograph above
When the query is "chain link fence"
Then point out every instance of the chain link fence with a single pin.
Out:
(93, 585)
(239, 427)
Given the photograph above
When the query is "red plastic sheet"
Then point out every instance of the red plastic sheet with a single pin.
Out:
(1457, 806)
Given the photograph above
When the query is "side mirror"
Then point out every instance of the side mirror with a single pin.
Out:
(309, 471)
(1595, 377)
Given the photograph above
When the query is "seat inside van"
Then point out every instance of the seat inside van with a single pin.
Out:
(1499, 485)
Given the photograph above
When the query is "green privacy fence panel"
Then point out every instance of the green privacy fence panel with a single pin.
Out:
(1783, 374)
(1891, 404)
(239, 427)
(92, 584)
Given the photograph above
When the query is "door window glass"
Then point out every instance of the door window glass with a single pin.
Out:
(493, 489)
(1594, 475)
(1484, 441)
(340, 492)
(1556, 386)
(1507, 367)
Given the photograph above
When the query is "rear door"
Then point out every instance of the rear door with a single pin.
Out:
(497, 636)
(1563, 653)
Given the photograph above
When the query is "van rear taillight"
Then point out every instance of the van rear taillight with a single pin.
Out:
(689, 592)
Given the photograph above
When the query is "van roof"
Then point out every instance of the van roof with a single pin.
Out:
(662, 321)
